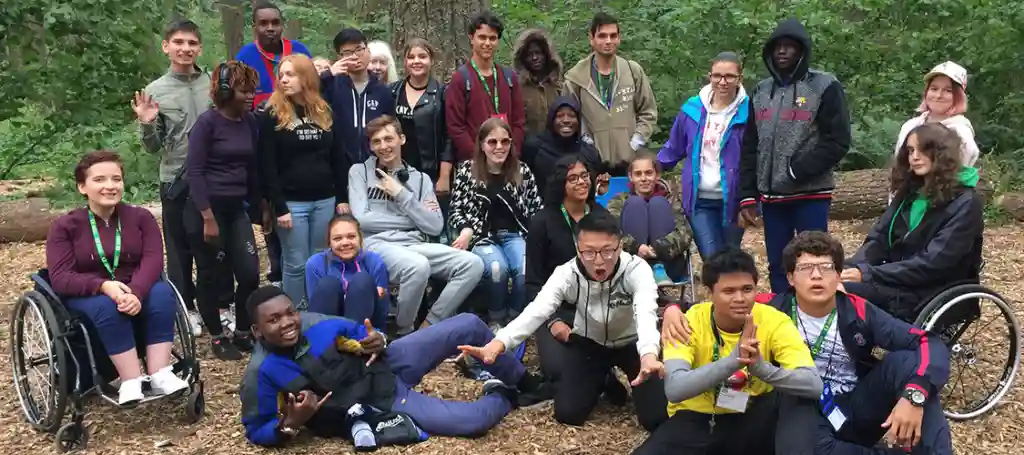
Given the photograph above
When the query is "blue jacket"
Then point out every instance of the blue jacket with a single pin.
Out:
(352, 111)
(327, 264)
(326, 359)
(265, 64)
(863, 326)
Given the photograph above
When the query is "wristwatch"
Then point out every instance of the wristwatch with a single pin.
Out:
(914, 395)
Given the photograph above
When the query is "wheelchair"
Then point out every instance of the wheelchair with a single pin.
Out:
(57, 357)
(979, 375)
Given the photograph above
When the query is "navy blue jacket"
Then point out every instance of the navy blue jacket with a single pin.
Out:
(352, 111)
(863, 326)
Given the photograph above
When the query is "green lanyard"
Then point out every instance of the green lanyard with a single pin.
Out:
(99, 244)
(568, 221)
(816, 348)
(606, 92)
(487, 88)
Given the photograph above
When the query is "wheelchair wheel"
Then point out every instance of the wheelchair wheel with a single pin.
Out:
(183, 350)
(983, 337)
(71, 437)
(40, 362)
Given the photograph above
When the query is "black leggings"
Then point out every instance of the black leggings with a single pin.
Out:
(179, 253)
(236, 247)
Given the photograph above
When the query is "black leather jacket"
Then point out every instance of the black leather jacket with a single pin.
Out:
(431, 129)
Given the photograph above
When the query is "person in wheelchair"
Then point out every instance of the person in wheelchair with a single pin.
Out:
(654, 226)
(338, 377)
(105, 261)
(931, 234)
(865, 400)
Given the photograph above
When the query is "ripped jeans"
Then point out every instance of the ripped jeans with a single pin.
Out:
(504, 258)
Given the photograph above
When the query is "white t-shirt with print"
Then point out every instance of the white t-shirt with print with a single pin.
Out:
(835, 366)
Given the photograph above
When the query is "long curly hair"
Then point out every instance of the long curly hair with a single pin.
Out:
(283, 106)
(942, 146)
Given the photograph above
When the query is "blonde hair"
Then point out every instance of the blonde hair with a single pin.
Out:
(283, 107)
(381, 49)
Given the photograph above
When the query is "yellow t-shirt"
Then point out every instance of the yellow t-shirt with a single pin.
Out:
(781, 343)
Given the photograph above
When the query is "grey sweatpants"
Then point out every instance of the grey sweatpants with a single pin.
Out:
(410, 266)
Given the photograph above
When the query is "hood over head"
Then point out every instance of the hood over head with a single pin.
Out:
(553, 74)
(793, 29)
(560, 102)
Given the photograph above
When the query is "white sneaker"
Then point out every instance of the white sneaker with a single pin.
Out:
(196, 321)
(227, 320)
(130, 392)
(165, 382)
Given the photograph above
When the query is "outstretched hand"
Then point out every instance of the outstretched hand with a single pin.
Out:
(649, 366)
(373, 343)
(487, 354)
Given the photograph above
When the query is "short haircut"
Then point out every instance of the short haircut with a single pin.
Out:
(724, 262)
(601, 19)
(348, 36)
(93, 158)
(182, 26)
(815, 243)
(600, 221)
(241, 77)
(485, 18)
(645, 154)
(380, 123)
(728, 56)
(262, 5)
(259, 297)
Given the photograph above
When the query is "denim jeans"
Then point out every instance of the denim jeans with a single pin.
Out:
(709, 229)
(783, 221)
(307, 235)
(504, 258)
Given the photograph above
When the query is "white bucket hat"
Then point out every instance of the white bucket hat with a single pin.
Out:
(955, 72)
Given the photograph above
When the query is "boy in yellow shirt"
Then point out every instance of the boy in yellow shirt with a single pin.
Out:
(743, 364)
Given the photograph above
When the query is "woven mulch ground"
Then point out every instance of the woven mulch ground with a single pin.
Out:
(533, 432)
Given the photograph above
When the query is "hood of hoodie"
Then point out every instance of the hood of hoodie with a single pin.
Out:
(554, 73)
(707, 91)
(793, 29)
(560, 102)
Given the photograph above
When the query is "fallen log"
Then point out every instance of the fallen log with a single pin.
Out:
(26, 220)
(864, 194)
(1012, 203)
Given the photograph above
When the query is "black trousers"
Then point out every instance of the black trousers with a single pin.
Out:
(273, 255)
(234, 250)
(585, 367)
(179, 253)
(773, 424)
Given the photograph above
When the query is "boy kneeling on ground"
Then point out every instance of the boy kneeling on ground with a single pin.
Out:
(741, 379)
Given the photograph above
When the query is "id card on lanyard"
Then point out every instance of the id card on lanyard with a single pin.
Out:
(729, 394)
(568, 221)
(495, 100)
(827, 400)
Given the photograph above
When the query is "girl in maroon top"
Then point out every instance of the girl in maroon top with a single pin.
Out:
(105, 261)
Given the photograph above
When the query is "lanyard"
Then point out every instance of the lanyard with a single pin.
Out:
(816, 347)
(568, 221)
(99, 244)
(606, 92)
(487, 88)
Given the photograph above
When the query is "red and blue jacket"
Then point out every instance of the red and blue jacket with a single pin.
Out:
(265, 64)
(863, 326)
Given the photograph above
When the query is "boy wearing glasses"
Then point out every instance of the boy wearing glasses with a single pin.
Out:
(865, 400)
(356, 96)
(615, 324)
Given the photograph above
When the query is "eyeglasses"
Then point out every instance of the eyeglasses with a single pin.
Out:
(730, 78)
(608, 254)
(356, 51)
(576, 178)
(824, 268)
(492, 142)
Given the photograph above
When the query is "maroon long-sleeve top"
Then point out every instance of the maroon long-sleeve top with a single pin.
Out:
(77, 271)
(464, 118)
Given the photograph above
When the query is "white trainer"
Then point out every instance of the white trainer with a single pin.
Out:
(165, 382)
(196, 321)
(130, 392)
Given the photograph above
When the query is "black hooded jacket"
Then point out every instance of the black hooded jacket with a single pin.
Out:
(542, 151)
(801, 127)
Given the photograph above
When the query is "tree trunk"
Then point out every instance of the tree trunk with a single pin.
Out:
(864, 194)
(293, 29)
(1013, 204)
(232, 18)
(25, 220)
(443, 22)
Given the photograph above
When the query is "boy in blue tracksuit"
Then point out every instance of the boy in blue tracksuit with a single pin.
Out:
(311, 371)
(896, 399)
(356, 96)
(266, 52)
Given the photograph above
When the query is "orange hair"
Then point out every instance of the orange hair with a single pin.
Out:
(283, 106)
(959, 98)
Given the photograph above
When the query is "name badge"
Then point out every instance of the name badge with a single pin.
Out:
(830, 409)
(732, 399)
(503, 117)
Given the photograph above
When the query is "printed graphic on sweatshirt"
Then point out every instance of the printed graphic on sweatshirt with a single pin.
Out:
(305, 129)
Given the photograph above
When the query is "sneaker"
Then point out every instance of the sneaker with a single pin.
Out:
(130, 392)
(196, 321)
(472, 369)
(275, 283)
(224, 349)
(227, 320)
(165, 382)
(243, 341)
(661, 276)
(495, 386)
(614, 391)
(533, 391)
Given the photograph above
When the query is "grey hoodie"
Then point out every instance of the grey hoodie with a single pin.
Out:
(182, 98)
(403, 220)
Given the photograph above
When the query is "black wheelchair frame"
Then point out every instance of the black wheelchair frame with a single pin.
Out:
(70, 345)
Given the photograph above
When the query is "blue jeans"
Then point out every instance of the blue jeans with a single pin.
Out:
(504, 258)
(413, 356)
(307, 235)
(709, 231)
(115, 329)
(782, 221)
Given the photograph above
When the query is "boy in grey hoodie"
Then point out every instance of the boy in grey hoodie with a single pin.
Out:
(397, 212)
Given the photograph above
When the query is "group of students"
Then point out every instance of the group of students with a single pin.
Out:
(359, 180)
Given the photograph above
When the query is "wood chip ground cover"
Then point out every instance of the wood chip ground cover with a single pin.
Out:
(528, 432)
